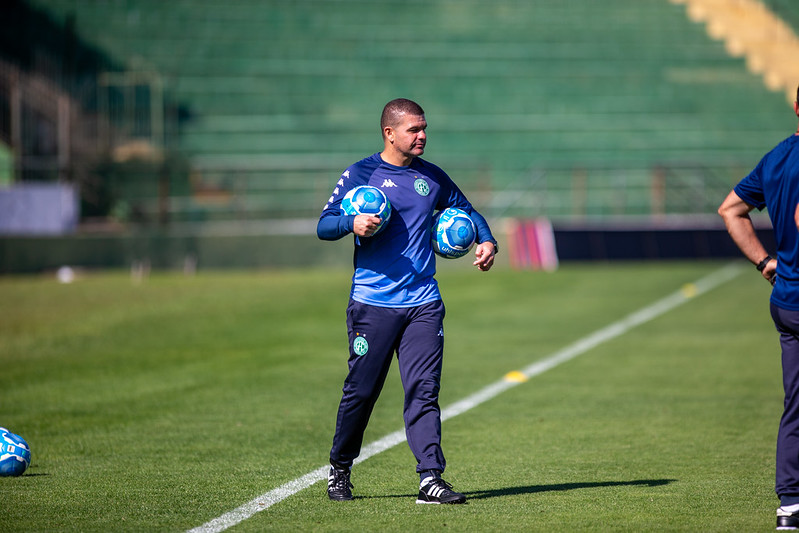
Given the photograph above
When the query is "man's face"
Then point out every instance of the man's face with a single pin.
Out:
(409, 137)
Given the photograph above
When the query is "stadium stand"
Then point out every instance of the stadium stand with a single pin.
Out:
(579, 111)
(539, 102)
(786, 10)
(751, 30)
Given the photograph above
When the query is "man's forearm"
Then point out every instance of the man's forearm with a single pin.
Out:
(743, 234)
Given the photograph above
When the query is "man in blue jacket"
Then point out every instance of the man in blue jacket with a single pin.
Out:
(395, 304)
(774, 184)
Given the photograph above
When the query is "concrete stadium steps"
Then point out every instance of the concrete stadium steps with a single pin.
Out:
(750, 30)
(786, 10)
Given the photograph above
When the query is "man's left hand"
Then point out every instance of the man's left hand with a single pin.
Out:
(484, 253)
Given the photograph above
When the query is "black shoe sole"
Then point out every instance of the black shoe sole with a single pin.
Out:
(451, 502)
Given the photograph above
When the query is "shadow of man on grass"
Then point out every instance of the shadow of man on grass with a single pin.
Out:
(534, 489)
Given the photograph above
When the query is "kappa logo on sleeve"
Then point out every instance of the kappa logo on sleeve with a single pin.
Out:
(337, 190)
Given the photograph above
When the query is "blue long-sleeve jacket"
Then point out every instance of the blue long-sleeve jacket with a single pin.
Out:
(396, 267)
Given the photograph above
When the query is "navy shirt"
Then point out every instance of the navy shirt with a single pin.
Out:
(774, 184)
(395, 267)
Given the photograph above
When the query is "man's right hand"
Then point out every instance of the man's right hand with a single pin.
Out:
(770, 272)
(365, 225)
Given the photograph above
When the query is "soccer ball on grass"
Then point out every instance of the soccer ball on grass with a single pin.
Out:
(454, 233)
(15, 454)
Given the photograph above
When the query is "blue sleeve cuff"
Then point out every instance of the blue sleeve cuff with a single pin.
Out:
(483, 231)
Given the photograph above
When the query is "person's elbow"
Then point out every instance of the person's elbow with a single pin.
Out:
(722, 211)
(733, 207)
(323, 233)
(332, 228)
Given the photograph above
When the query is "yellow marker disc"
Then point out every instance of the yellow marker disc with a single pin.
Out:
(515, 377)
(689, 290)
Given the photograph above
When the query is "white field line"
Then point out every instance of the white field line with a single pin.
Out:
(583, 345)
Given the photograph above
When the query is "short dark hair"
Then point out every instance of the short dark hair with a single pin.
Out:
(396, 108)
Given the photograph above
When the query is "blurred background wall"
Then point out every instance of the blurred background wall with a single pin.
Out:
(200, 133)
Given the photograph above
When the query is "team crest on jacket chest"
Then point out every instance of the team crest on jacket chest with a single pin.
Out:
(421, 187)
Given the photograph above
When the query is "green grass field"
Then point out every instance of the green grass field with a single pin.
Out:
(162, 405)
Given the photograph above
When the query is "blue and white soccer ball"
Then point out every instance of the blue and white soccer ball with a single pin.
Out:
(454, 233)
(367, 200)
(15, 454)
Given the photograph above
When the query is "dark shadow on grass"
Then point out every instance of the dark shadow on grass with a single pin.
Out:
(535, 489)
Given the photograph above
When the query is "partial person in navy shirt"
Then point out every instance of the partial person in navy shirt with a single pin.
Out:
(395, 305)
(774, 184)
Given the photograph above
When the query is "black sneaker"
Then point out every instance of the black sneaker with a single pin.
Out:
(436, 490)
(786, 520)
(338, 484)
